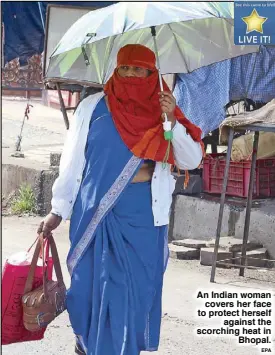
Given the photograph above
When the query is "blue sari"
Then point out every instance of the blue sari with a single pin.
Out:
(117, 256)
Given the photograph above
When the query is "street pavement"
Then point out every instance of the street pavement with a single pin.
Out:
(43, 133)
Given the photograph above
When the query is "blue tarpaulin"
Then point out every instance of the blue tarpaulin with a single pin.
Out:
(203, 93)
(24, 26)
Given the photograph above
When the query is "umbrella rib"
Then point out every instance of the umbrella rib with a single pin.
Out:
(104, 71)
(179, 48)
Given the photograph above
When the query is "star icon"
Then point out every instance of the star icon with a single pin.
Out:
(254, 22)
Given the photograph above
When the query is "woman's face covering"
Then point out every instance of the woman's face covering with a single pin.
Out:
(129, 71)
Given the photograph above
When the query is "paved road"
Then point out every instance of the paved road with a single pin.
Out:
(43, 133)
(182, 282)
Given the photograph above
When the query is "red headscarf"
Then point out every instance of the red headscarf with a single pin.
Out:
(135, 107)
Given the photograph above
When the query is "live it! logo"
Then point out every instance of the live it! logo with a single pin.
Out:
(254, 22)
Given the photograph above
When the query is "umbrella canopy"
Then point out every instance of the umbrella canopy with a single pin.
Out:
(189, 35)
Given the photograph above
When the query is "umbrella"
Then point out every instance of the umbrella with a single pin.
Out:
(189, 35)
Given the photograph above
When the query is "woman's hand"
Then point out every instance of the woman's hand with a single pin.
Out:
(168, 105)
(49, 223)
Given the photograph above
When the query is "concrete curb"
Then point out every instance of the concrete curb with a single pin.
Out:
(41, 181)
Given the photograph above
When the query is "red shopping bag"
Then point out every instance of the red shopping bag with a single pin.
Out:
(14, 277)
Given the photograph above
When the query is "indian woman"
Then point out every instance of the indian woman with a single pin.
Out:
(115, 185)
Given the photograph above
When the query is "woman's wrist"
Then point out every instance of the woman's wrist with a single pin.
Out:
(172, 119)
(56, 214)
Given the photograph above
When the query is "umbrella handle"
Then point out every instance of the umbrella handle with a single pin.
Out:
(167, 124)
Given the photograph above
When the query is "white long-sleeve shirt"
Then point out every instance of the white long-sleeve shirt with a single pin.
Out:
(187, 153)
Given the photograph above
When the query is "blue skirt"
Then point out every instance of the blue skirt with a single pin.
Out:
(114, 301)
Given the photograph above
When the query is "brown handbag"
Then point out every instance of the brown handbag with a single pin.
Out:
(43, 304)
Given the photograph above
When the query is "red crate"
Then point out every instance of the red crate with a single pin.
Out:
(239, 174)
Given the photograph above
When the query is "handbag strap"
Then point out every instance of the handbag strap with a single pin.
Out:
(47, 248)
(29, 282)
(56, 262)
(30, 248)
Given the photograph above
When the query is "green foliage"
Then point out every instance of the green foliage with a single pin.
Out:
(25, 201)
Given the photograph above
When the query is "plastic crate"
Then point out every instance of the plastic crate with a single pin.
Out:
(239, 174)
